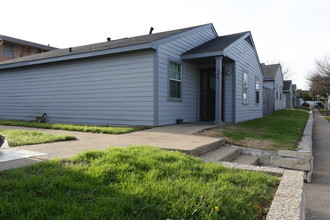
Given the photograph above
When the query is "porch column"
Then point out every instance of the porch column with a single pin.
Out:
(218, 78)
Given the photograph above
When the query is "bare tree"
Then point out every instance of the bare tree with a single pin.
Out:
(319, 78)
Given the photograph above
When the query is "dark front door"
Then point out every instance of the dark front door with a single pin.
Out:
(207, 95)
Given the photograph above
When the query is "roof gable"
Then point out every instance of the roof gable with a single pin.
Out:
(270, 71)
(213, 47)
(287, 85)
(220, 47)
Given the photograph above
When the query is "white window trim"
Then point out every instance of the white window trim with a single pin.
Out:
(172, 99)
(245, 102)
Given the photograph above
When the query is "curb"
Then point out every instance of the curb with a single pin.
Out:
(289, 200)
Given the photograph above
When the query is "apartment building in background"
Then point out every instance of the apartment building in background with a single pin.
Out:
(11, 48)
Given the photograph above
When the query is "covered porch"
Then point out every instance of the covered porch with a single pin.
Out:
(216, 79)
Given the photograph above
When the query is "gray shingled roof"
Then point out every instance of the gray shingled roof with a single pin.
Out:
(287, 84)
(270, 70)
(24, 42)
(125, 42)
(217, 44)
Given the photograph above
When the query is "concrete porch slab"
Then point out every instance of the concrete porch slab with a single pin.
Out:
(173, 137)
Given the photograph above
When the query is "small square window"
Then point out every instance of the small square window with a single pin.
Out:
(8, 50)
(175, 80)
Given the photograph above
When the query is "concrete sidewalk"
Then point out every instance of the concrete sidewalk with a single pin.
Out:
(176, 137)
(318, 192)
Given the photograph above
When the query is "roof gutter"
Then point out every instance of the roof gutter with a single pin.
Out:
(77, 56)
(269, 79)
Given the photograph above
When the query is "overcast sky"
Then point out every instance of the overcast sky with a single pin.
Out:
(295, 32)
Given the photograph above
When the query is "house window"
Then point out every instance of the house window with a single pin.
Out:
(276, 91)
(175, 80)
(245, 88)
(8, 50)
(257, 90)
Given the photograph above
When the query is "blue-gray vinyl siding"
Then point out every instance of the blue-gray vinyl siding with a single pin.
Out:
(246, 60)
(277, 86)
(186, 109)
(111, 90)
(269, 84)
(279, 83)
(228, 96)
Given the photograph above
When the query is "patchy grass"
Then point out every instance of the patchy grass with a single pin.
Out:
(21, 137)
(303, 108)
(280, 131)
(134, 183)
(71, 127)
(328, 118)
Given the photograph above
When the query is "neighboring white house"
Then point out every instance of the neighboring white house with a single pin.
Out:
(288, 94)
(156, 79)
(273, 79)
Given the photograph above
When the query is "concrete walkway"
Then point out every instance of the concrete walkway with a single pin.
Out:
(318, 192)
(176, 137)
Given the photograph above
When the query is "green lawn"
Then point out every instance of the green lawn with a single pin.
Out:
(281, 130)
(134, 183)
(22, 137)
(71, 127)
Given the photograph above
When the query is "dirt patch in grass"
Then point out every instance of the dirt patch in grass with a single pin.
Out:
(258, 144)
(236, 135)
(246, 142)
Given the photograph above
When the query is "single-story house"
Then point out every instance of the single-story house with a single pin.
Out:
(295, 96)
(287, 94)
(273, 79)
(190, 74)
